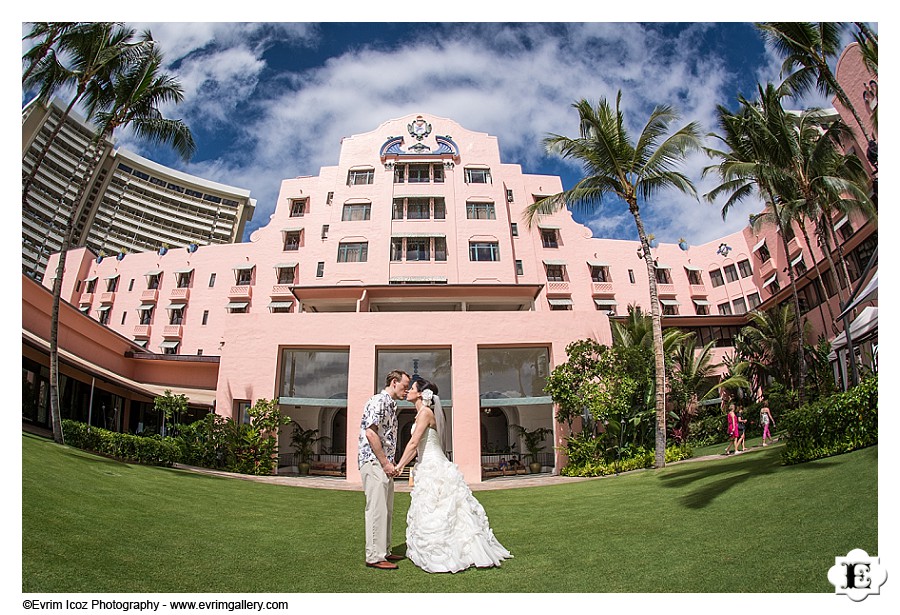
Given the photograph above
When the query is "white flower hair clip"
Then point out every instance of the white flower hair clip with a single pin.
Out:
(427, 396)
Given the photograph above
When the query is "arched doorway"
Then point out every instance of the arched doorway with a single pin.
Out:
(338, 436)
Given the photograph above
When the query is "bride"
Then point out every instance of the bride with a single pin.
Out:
(447, 529)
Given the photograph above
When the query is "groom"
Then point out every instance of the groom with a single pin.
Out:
(377, 445)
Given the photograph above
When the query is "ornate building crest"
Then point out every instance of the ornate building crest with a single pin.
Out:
(419, 128)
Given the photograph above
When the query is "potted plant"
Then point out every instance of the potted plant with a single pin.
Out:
(533, 444)
(651, 240)
(302, 440)
(683, 244)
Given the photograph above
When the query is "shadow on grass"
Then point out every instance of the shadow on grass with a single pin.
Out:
(715, 477)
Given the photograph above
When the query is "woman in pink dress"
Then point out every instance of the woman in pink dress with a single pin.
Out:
(733, 431)
(765, 417)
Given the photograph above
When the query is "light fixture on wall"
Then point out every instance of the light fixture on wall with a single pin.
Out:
(491, 411)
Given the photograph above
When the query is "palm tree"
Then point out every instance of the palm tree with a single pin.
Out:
(693, 380)
(633, 171)
(771, 343)
(131, 98)
(809, 47)
(83, 56)
(760, 140)
(48, 34)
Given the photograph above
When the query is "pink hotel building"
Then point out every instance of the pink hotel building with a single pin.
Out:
(410, 253)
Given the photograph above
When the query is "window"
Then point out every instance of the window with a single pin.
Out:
(112, 284)
(600, 273)
(440, 249)
(763, 253)
(124, 314)
(244, 276)
(740, 305)
(396, 249)
(631, 275)
(731, 273)
(399, 173)
(146, 312)
(199, 352)
(183, 278)
(438, 171)
(130, 284)
(356, 212)
(694, 277)
(560, 304)
(440, 209)
(663, 276)
(77, 286)
(418, 209)
(103, 315)
(360, 177)
(330, 198)
(701, 308)
(176, 314)
(725, 309)
(238, 307)
(478, 176)
(799, 265)
(153, 281)
(774, 287)
(241, 416)
(212, 280)
(845, 230)
(484, 251)
(320, 269)
(419, 173)
(324, 231)
(286, 275)
(669, 308)
(353, 252)
(91, 285)
(292, 241)
(715, 276)
(556, 273)
(418, 249)
(789, 232)
(169, 347)
(519, 269)
(397, 210)
(298, 208)
(480, 211)
(205, 317)
(745, 269)
(514, 229)
(753, 300)
(509, 195)
(549, 238)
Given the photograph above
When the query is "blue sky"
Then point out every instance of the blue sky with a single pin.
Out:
(269, 101)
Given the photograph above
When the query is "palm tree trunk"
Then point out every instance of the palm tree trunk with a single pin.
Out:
(825, 228)
(55, 411)
(659, 359)
(790, 271)
(819, 279)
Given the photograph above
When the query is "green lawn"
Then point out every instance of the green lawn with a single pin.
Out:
(741, 523)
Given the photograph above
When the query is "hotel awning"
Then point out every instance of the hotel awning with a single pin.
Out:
(597, 264)
(184, 270)
(280, 304)
(141, 343)
(662, 266)
(701, 301)
(154, 272)
(669, 302)
(169, 344)
(237, 305)
(243, 267)
(841, 222)
(286, 265)
(146, 306)
(292, 229)
(111, 277)
(863, 295)
(421, 235)
(560, 301)
(422, 279)
(770, 280)
(104, 308)
(605, 302)
(798, 258)
(865, 323)
(759, 245)
(90, 279)
(176, 305)
(554, 262)
(548, 227)
(693, 268)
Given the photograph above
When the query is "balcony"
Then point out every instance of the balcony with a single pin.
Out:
(107, 297)
(142, 331)
(180, 293)
(86, 298)
(172, 331)
(698, 290)
(766, 268)
(665, 290)
(558, 288)
(794, 247)
(602, 288)
(240, 292)
(282, 290)
(151, 294)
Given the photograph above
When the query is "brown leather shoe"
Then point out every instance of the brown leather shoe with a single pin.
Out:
(395, 558)
(382, 565)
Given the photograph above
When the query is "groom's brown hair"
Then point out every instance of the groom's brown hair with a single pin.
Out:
(397, 374)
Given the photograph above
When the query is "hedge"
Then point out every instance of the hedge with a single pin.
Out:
(644, 458)
(837, 424)
(154, 450)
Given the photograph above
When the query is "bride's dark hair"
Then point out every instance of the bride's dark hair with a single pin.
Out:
(421, 384)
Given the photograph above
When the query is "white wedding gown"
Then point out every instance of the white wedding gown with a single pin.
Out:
(447, 529)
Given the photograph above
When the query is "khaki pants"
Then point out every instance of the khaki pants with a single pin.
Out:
(379, 489)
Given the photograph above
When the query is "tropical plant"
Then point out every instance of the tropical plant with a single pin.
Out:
(807, 49)
(302, 440)
(253, 447)
(127, 92)
(534, 440)
(170, 405)
(634, 171)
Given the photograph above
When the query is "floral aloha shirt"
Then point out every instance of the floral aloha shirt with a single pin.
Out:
(380, 410)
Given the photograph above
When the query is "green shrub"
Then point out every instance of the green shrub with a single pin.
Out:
(154, 450)
(837, 424)
(636, 459)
